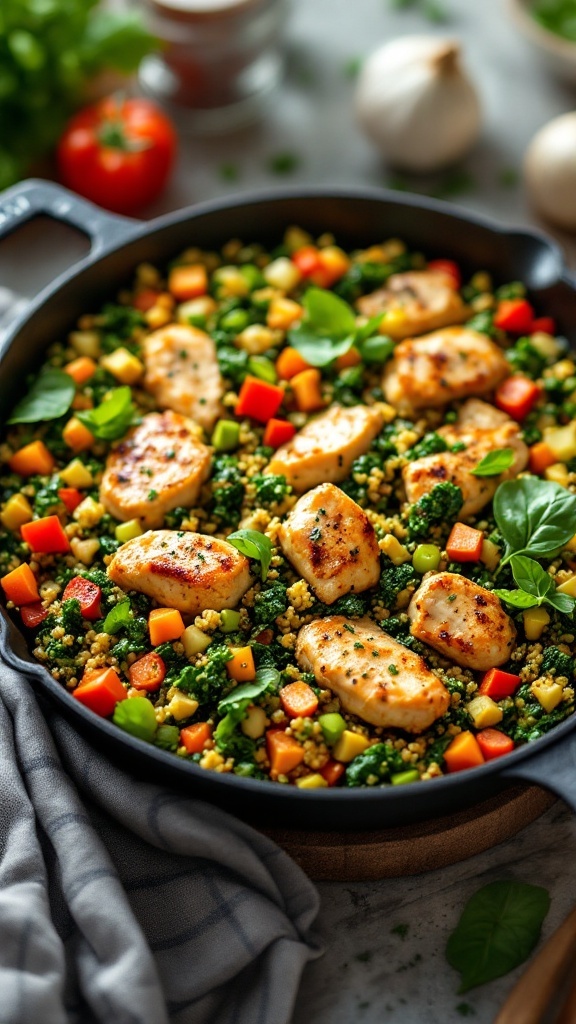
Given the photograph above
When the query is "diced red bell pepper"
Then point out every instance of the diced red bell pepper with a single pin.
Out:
(46, 535)
(145, 299)
(464, 543)
(307, 259)
(494, 743)
(88, 594)
(70, 498)
(546, 324)
(333, 772)
(498, 684)
(33, 614)
(100, 691)
(517, 396)
(278, 432)
(448, 267)
(258, 399)
(514, 315)
(148, 672)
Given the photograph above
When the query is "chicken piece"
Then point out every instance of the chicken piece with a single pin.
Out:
(324, 450)
(462, 621)
(331, 543)
(159, 465)
(375, 677)
(187, 571)
(182, 373)
(427, 300)
(483, 429)
(440, 367)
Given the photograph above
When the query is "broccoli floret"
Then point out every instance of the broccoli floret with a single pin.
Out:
(206, 683)
(429, 445)
(556, 661)
(72, 616)
(269, 604)
(227, 489)
(108, 545)
(524, 358)
(271, 488)
(381, 761)
(233, 363)
(393, 579)
(441, 505)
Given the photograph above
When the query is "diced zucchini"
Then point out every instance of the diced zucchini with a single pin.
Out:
(229, 620)
(332, 725)
(402, 778)
(195, 641)
(226, 435)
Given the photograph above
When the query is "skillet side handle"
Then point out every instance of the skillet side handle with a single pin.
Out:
(553, 768)
(34, 197)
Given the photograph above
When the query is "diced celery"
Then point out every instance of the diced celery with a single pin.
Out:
(226, 435)
(401, 778)
(332, 725)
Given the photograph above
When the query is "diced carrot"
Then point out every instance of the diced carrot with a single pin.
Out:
(20, 585)
(32, 459)
(494, 743)
(33, 614)
(145, 299)
(514, 315)
(88, 595)
(100, 691)
(70, 498)
(148, 672)
(540, 457)
(289, 363)
(188, 282)
(333, 772)
(448, 267)
(298, 700)
(241, 666)
(194, 737)
(350, 358)
(77, 436)
(258, 399)
(464, 543)
(284, 752)
(517, 396)
(46, 535)
(306, 388)
(498, 684)
(81, 369)
(546, 324)
(164, 624)
(278, 432)
(463, 752)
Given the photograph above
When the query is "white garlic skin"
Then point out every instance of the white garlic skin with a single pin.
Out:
(550, 171)
(417, 104)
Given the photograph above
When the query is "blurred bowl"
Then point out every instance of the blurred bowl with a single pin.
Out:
(557, 54)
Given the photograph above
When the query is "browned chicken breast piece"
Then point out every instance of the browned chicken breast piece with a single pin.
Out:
(187, 571)
(159, 465)
(461, 620)
(440, 367)
(331, 543)
(375, 677)
(324, 450)
(427, 300)
(423, 474)
(182, 373)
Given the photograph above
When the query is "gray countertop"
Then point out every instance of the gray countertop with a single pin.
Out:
(370, 974)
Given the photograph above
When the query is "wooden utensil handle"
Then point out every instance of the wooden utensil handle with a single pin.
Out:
(568, 1012)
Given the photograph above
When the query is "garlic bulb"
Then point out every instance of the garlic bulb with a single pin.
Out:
(550, 171)
(416, 103)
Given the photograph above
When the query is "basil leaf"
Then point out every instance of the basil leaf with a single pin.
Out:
(376, 349)
(494, 463)
(531, 577)
(499, 927)
(316, 350)
(534, 516)
(49, 397)
(112, 418)
(327, 314)
(517, 598)
(561, 602)
(118, 616)
(369, 328)
(265, 677)
(227, 725)
(254, 545)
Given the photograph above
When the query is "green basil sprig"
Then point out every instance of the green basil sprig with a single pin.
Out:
(112, 418)
(494, 463)
(535, 517)
(254, 545)
(118, 616)
(499, 927)
(329, 330)
(536, 587)
(49, 397)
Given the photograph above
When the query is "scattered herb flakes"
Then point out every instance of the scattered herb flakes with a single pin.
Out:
(498, 929)
(508, 177)
(229, 172)
(465, 1010)
(352, 67)
(401, 930)
(365, 957)
(283, 163)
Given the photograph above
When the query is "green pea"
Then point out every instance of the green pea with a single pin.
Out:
(236, 320)
(253, 276)
(226, 436)
(426, 557)
(167, 737)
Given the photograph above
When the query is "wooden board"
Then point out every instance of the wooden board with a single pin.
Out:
(411, 849)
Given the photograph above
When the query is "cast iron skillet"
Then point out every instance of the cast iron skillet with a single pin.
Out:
(357, 218)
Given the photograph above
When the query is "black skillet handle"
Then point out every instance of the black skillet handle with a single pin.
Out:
(553, 768)
(33, 197)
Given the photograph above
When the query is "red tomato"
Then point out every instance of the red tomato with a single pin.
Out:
(118, 153)
(87, 593)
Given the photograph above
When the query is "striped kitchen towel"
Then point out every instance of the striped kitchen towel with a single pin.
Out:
(126, 903)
